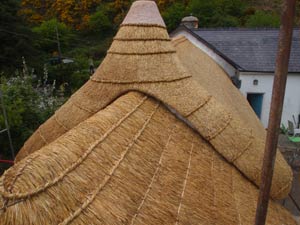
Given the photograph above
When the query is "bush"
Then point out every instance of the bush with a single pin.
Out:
(47, 39)
(263, 19)
(100, 23)
(173, 15)
(28, 103)
(217, 13)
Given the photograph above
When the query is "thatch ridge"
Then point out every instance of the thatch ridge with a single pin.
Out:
(144, 12)
(216, 81)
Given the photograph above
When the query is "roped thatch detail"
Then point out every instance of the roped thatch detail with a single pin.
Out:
(132, 163)
(152, 67)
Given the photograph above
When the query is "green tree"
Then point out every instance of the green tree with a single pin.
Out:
(100, 23)
(217, 13)
(263, 19)
(46, 33)
(173, 15)
(16, 38)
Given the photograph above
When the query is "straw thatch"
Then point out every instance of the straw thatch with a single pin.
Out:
(143, 59)
(156, 70)
(96, 161)
(132, 163)
(215, 80)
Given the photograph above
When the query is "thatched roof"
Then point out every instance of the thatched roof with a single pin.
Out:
(143, 142)
(215, 80)
(132, 163)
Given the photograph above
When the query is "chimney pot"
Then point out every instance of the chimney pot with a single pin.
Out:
(190, 21)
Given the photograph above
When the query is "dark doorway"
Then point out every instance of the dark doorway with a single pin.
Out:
(256, 100)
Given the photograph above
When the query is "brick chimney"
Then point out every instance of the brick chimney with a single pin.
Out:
(190, 21)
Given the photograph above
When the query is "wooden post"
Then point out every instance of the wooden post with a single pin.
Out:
(282, 61)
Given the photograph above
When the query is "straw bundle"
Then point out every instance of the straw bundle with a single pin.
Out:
(149, 64)
(132, 163)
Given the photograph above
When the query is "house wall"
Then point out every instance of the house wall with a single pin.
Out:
(230, 70)
(291, 104)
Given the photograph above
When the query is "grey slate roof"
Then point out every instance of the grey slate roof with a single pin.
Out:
(250, 49)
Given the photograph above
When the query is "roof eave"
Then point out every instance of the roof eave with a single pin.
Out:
(271, 71)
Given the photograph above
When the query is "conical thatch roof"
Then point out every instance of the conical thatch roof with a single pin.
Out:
(142, 142)
(132, 163)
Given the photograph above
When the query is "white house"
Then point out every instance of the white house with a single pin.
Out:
(248, 56)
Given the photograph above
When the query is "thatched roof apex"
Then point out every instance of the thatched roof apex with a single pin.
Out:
(144, 12)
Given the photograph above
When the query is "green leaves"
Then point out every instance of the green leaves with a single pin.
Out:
(46, 33)
(16, 38)
(217, 13)
(263, 19)
(173, 15)
(28, 103)
(100, 23)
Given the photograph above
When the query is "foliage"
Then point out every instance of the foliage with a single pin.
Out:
(28, 103)
(173, 15)
(283, 129)
(72, 12)
(69, 76)
(100, 23)
(263, 19)
(16, 38)
(47, 32)
(217, 13)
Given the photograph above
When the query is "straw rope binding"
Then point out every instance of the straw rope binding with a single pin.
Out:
(10, 187)
(138, 81)
(251, 139)
(220, 130)
(93, 195)
(83, 108)
(60, 123)
(142, 25)
(200, 106)
(141, 53)
(184, 184)
(153, 177)
(7, 195)
(41, 135)
(19, 172)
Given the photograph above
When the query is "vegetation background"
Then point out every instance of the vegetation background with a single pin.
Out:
(34, 81)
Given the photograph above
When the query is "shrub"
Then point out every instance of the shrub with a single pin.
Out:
(263, 19)
(28, 102)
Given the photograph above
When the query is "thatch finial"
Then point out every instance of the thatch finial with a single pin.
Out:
(144, 12)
